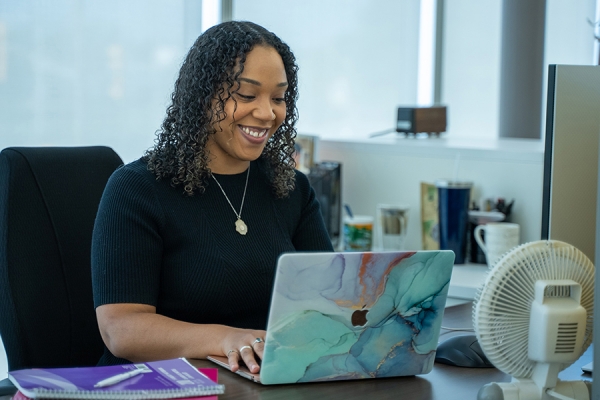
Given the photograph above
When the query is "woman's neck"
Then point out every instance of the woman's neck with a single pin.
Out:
(228, 168)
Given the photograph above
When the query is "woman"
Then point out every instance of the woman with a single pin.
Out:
(187, 238)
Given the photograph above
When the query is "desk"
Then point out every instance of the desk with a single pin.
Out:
(443, 383)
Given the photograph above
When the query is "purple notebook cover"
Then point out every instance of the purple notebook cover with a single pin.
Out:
(174, 378)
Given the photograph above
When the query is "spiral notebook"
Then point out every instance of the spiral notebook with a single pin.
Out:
(337, 316)
(166, 379)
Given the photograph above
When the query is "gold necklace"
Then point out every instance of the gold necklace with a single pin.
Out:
(240, 226)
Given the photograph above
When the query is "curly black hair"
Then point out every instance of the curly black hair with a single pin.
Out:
(208, 77)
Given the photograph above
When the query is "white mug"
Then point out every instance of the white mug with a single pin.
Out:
(500, 237)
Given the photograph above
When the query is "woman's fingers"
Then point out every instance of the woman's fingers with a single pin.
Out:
(259, 346)
(250, 351)
(249, 359)
(233, 357)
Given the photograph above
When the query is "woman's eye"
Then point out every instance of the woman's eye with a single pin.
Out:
(244, 97)
(279, 100)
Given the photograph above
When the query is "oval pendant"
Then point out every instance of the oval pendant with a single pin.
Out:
(241, 227)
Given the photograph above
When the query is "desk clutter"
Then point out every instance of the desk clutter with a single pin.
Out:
(452, 220)
(389, 228)
(164, 379)
(326, 179)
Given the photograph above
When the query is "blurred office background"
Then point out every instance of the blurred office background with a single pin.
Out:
(78, 72)
(100, 72)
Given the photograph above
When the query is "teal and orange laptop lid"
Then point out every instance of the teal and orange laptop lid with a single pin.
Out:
(352, 315)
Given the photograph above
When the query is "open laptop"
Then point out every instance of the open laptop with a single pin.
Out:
(339, 316)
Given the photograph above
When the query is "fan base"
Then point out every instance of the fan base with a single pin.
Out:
(526, 389)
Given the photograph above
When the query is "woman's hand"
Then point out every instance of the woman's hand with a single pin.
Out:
(244, 346)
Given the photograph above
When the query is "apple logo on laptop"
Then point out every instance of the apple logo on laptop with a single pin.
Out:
(359, 317)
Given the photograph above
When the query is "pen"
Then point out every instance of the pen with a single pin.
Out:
(348, 211)
(119, 378)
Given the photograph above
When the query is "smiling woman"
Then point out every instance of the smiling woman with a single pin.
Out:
(176, 270)
(254, 113)
(222, 79)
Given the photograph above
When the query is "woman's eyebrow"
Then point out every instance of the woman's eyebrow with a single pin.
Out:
(257, 83)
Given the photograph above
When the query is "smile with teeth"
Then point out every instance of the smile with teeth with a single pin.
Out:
(257, 133)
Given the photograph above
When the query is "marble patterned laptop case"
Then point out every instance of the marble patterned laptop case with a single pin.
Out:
(337, 316)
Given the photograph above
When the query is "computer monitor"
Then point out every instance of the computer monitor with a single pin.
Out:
(596, 340)
(571, 192)
(571, 157)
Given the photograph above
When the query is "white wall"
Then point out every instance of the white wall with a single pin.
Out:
(391, 171)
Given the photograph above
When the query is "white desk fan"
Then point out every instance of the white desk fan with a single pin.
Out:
(533, 318)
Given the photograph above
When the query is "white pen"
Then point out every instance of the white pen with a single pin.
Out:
(120, 378)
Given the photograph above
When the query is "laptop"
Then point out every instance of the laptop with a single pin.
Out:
(353, 315)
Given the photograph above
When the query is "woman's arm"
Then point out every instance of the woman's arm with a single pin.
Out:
(136, 333)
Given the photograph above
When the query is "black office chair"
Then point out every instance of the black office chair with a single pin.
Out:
(49, 197)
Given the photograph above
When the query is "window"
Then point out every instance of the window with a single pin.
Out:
(358, 59)
(101, 72)
(90, 72)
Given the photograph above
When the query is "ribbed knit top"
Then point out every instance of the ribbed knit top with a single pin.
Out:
(154, 245)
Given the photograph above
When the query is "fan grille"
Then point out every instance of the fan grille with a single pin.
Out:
(566, 337)
(502, 306)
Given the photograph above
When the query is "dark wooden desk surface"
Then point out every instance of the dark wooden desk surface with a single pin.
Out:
(443, 383)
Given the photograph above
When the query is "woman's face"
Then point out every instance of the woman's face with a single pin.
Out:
(254, 112)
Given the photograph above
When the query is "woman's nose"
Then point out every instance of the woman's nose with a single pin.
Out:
(264, 111)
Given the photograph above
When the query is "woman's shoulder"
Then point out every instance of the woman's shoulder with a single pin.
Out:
(132, 177)
(301, 195)
(138, 166)
(134, 171)
(302, 182)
